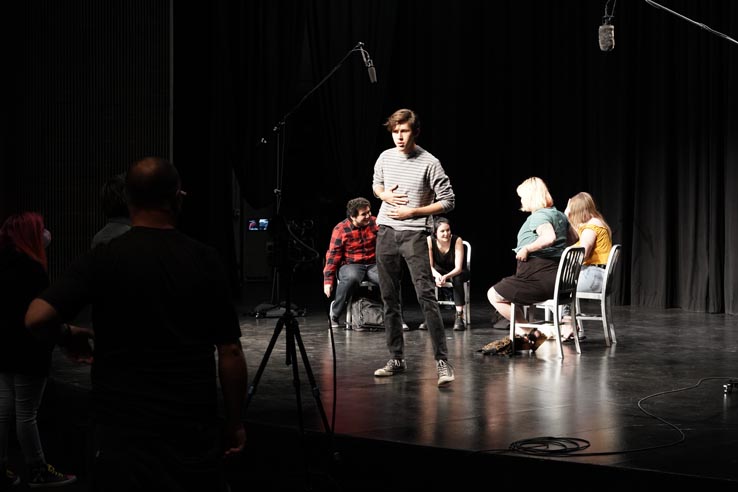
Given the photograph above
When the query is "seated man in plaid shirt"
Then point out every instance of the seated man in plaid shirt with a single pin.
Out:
(351, 255)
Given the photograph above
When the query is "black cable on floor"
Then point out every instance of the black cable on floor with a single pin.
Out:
(570, 446)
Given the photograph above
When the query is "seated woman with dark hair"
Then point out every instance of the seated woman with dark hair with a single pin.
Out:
(448, 264)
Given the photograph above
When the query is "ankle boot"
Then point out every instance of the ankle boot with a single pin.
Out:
(459, 324)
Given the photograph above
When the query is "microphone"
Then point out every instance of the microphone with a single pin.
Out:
(607, 37)
(369, 64)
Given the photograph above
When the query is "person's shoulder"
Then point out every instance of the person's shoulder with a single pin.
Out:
(386, 153)
(343, 225)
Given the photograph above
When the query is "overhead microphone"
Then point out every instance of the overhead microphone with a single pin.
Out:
(607, 36)
(369, 64)
(607, 30)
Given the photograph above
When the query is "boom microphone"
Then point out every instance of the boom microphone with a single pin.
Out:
(607, 37)
(369, 64)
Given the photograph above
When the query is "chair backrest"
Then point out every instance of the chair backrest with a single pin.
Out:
(612, 263)
(567, 275)
(467, 254)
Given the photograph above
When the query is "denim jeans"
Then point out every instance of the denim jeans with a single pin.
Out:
(350, 276)
(394, 247)
(22, 392)
(591, 279)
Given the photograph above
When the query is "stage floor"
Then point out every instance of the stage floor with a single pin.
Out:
(648, 411)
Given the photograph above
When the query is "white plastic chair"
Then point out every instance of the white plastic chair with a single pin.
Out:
(604, 297)
(565, 292)
(467, 287)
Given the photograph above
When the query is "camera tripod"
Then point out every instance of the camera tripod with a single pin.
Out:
(294, 342)
(289, 324)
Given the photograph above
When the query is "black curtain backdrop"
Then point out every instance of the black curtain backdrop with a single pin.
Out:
(507, 91)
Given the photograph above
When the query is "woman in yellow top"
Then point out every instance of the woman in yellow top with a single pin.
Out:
(596, 237)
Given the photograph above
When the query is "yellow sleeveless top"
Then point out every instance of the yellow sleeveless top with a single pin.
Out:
(603, 244)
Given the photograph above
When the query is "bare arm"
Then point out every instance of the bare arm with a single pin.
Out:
(588, 240)
(233, 374)
(44, 322)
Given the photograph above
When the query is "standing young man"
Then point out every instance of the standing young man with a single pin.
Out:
(413, 186)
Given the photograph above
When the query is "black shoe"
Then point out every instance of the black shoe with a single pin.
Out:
(459, 324)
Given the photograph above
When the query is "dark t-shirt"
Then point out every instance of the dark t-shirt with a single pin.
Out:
(445, 262)
(160, 303)
(21, 280)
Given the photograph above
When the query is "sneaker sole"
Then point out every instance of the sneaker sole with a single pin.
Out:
(446, 382)
(386, 374)
(50, 485)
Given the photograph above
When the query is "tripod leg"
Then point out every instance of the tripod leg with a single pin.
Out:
(311, 378)
(262, 365)
(292, 359)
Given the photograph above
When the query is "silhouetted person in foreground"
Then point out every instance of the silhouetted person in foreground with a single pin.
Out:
(24, 360)
(161, 307)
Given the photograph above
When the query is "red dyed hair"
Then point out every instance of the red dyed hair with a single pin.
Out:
(24, 232)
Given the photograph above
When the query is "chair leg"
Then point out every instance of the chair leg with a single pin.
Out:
(557, 325)
(574, 314)
(603, 313)
(512, 327)
(349, 317)
(579, 322)
(467, 305)
(610, 324)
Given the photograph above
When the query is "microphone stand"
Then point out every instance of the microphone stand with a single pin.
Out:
(698, 24)
(261, 311)
(287, 322)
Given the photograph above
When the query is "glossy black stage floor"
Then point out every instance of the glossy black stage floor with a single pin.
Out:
(650, 411)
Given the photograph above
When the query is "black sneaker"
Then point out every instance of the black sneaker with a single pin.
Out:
(9, 480)
(47, 476)
(459, 324)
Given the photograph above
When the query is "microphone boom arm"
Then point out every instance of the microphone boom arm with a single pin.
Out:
(359, 47)
(698, 24)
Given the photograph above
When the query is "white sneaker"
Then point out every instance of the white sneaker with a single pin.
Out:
(445, 372)
(393, 366)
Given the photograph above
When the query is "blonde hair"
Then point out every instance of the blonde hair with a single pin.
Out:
(534, 195)
(582, 208)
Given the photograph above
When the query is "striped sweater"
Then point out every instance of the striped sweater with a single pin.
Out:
(418, 174)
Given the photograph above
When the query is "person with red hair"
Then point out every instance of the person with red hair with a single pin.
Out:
(24, 360)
